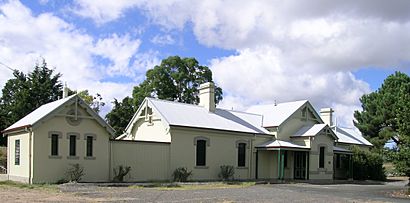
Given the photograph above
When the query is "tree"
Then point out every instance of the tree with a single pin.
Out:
(386, 115)
(26, 92)
(121, 114)
(175, 79)
(95, 102)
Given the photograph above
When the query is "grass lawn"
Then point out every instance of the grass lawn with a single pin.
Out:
(47, 187)
(195, 186)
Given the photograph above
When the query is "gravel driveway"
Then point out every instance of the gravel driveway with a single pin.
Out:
(259, 193)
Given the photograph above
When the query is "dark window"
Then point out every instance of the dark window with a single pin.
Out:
(72, 145)
(54, 145)
(241, 154)
(338, 160)
(17, 152)
(201, 152)
(322, 157)
(285, 161)
(89, 146)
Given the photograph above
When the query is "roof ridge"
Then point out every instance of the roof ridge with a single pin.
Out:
(174, 102)
(255, 114)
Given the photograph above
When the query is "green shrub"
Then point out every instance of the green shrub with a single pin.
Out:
(367, 165)
(181, 174)
(121, 173)
(3, 157)
(75, 172)
(226, 172)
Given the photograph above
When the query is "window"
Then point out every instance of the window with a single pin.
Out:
(201, 152)
(241, 154)
(338, 160)
(89, 146)
(322, 157)
(54, 145)
(285, 157)
(72, 145)
(17, 152)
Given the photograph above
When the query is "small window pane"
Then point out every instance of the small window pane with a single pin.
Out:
(322, 157)
(54, 145)
(72, 145)
(17, 152)
(201, 153)
(285, 157)
(241, 154)
(89, 146)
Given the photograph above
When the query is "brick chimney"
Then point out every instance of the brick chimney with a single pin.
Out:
(327, 115)
(207, 96)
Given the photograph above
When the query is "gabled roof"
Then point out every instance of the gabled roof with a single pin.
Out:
(31, 118)
(350, 136)
(281, 144)
(275, 115)
(312, 130)
(309, 130)
(189, 115)
(43, 111)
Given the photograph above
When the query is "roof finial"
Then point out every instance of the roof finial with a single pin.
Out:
(65, 90)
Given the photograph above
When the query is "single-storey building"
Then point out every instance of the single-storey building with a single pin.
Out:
(278, 141)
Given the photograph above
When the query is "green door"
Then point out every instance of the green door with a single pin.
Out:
(299, 165)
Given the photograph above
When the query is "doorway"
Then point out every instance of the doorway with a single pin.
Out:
(299, 165)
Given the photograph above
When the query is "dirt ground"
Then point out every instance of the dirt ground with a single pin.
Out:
(299, 192)
(13, 194)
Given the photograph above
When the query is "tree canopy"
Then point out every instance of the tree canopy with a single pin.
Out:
(121, 114)
(175, 79)
(26, 92)
(94, 101)
(386, 115)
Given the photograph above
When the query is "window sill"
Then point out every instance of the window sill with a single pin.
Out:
(54, 157)
(201, 167)
(241, 167)
(72, 157)
(89, 157)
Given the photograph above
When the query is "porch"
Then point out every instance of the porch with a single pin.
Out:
(342, 164)
(282, 160)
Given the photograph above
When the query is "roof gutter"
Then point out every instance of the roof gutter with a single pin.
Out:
(21, 128)
(203, 128)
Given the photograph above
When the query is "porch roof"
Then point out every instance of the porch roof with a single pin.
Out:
(340, 150)
(279, 144)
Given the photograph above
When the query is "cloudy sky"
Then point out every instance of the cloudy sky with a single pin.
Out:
(329, 52)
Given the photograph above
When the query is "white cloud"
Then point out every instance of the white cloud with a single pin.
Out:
(285, 50)
(25, 37)
(102, 11)
(264, 77)
(289, 50)
(163, 39)
(119, 50)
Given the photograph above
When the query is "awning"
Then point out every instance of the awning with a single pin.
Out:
(281, 145)
(340, 150)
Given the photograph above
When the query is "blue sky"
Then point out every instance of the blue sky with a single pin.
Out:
(258, 51)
